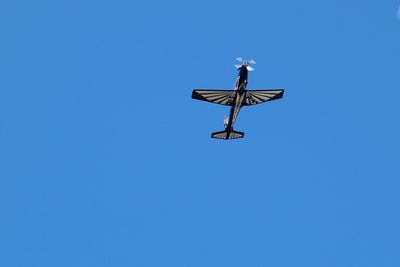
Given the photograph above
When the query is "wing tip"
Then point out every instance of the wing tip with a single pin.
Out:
(196, 95)
(279, 95)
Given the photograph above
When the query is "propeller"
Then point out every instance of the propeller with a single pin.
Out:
(245, 63)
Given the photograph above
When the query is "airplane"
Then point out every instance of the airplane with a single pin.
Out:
(236, 98)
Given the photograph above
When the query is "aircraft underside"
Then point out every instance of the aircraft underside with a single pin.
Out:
(236, 99)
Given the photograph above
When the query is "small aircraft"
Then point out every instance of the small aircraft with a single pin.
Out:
(236, 98)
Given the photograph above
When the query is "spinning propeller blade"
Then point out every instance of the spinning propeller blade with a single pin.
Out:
(249, 68)
(245, 63)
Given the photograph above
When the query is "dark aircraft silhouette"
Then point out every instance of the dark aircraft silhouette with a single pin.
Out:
(236, 98)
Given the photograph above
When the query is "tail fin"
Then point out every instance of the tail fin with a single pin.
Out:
(227, 135)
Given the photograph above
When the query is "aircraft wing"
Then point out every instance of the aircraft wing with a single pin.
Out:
(221, 97)
(254, 97)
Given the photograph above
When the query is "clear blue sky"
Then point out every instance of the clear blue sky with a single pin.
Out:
(105, 160)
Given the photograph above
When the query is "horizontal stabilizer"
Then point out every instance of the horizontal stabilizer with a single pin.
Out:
(227, 135)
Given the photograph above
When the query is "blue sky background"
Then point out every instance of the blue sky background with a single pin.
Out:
(105, 160)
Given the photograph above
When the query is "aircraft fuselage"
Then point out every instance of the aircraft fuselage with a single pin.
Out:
(240, 94)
